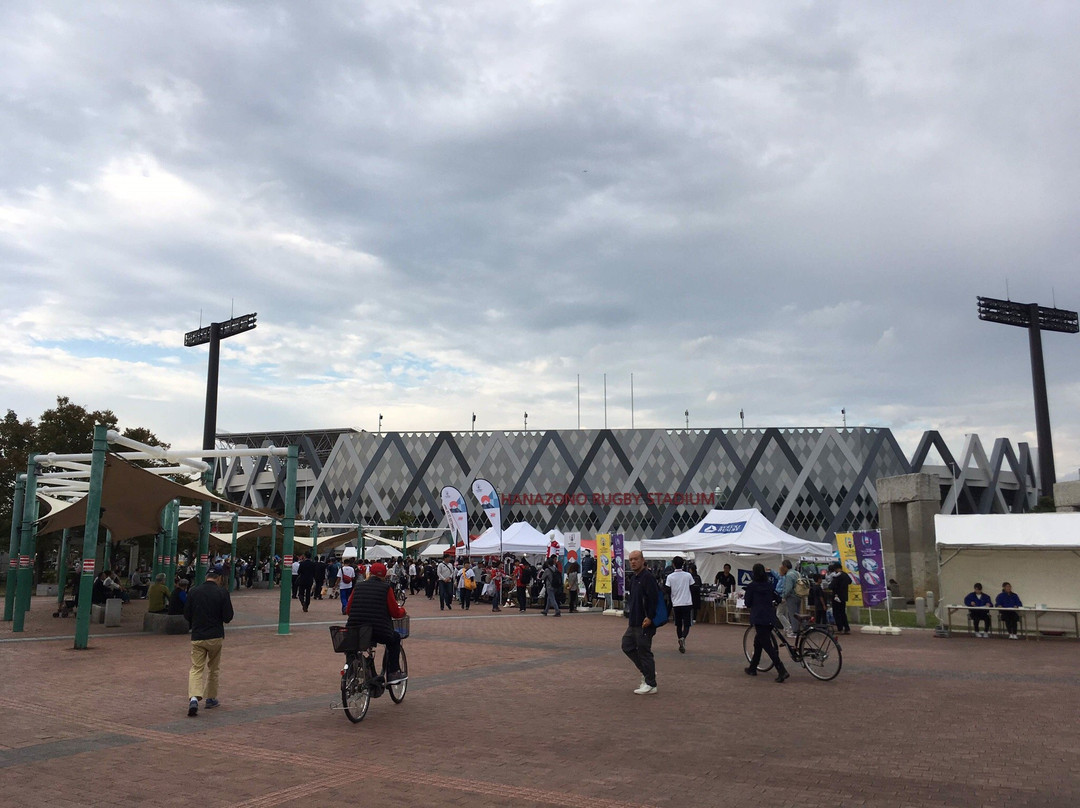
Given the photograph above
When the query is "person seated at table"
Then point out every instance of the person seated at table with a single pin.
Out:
(978, 616)
(1009, 600)
(157, 595)
(140, 583)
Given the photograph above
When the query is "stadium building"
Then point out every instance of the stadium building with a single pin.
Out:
(645, 483)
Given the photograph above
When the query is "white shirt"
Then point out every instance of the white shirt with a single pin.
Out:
(679, 584)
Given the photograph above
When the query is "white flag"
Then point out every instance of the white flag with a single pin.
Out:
(488, 497)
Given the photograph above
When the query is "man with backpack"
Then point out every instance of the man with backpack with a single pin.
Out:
(644, 599)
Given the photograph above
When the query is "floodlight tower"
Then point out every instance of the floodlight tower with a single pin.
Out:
(1035, 319)
(214, 333)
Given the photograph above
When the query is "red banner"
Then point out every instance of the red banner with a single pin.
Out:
(286, 561)
(24, 561)
(88, 566)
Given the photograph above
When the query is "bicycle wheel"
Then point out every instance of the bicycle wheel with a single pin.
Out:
(355, 696)
(397, 692)
(820, 654)
(764, 664)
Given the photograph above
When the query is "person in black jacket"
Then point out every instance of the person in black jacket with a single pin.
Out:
(305, 579)
(761, 600)
(207, 610)
(839, 582)
(637, 641)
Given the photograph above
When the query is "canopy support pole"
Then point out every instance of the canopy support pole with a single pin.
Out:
(90, 537)
(61, 567)
(232, 559)
(25, 577)
(289, 523)
(13, 548)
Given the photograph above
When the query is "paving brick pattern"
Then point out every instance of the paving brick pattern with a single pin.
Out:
(523, 710)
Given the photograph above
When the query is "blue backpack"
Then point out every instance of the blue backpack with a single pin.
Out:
(661, 615)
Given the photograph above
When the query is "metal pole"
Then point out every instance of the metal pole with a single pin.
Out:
(90, 536)
(210, 418)
(25, 577)
(289, 523)
(13, 548)
(273, 546)
(204, 537)
(61, 567)
(1047, 474)
(106, 556)
(172, 557)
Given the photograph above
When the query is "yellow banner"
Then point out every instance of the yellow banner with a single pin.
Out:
(603, 563)
(845, 543)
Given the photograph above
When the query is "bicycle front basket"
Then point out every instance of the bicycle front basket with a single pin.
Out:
(401, 626)
(345, 640)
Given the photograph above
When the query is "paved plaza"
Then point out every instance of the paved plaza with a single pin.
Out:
(524, 710)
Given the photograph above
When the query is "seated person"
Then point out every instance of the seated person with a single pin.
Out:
(100, 593)
(158, 595)
(373, 603)
(112, 584)
(1010, 600)
(140, 583)
(178, 599)
(979, 598)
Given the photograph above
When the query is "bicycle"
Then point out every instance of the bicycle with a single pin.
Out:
(360, 683)
(815, 649)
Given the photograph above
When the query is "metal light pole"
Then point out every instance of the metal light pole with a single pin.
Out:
(1035, 319)
(687, 414)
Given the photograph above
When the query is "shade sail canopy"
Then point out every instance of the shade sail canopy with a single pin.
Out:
(327, 542)
(131, 501)
(741, 531)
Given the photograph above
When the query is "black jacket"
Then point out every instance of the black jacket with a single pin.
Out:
(839, 586)
(207, 610)
(761, 600)
(306, 570)
(369, 606)
(644, 594)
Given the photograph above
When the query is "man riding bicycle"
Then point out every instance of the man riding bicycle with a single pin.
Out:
(373, 604)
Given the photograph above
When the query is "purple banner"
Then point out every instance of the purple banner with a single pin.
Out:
(617, 566)
(871, 566)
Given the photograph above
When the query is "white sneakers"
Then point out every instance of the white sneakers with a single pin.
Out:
(645, 689)
(1013, 637)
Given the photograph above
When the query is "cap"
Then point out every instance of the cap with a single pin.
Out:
(378, 568)
(215, 570)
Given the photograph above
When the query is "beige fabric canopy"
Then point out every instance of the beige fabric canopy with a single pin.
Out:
(131, 502)
(327, 542)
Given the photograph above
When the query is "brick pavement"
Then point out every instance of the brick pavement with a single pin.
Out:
(522, 710)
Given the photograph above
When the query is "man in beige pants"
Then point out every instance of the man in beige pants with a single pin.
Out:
(208, 609)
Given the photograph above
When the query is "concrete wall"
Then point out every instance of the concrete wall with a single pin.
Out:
(1067, 496)
(906, 508)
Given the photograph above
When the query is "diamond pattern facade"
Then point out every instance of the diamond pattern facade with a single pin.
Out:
(645, 483)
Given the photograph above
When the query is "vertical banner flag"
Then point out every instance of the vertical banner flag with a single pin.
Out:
(603, 564)
(618, 566)
(489, 500)
(457, 512)
(845, 544)
(871, 566)
(573, 548)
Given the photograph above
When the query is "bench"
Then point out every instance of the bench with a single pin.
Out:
(165, 623)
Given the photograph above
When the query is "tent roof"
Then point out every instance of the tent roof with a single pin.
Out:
(1059, 531)
(131, 501)
(741, 531)
(520, 537)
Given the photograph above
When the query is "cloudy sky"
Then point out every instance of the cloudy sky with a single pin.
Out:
(445, 208)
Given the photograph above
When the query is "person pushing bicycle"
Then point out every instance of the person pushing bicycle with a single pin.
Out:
(761, 599)
(372, 603)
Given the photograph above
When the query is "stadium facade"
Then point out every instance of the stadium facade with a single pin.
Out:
(645, 483)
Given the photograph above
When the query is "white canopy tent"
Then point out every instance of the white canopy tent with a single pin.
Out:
(520, 537)
(1038, 553)
(722, 536)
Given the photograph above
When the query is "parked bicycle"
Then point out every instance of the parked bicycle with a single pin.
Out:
(814, 648)
(360, 680)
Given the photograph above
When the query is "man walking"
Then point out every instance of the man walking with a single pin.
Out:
(637, 641)
(305, 579)
(678, 584)
(551, 578)
(445, 573)
(790, 601)
(207, 610)
(838, 584)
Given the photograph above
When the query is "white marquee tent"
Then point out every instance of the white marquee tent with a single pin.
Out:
(722, 536)
(1038, 553)
(520, 537)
